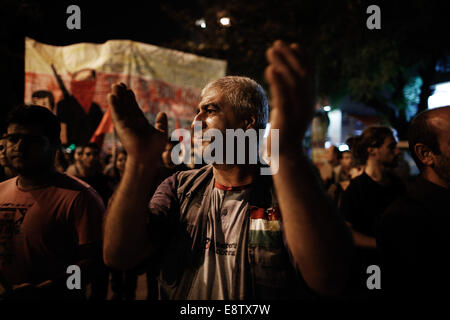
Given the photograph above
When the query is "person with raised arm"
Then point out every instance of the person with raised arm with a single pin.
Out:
(224, 231)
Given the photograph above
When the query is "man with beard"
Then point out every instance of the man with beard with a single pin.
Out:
(368, 195)
(413, 236)
(48, 220)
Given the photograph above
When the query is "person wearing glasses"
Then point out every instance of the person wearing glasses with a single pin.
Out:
(49, 221)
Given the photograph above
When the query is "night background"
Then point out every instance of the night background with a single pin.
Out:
(387, 72)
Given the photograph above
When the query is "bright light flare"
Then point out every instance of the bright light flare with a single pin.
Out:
(201, 23)
(225, 21)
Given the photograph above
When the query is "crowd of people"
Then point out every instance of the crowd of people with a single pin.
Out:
(91, 169)
(223, 230)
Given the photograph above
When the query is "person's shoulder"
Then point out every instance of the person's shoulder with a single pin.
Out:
(8, 184)
(71, 169)
(69, 183)
(405, 208)
(84, 193)
(193, 174)
(356, 184)
(184, 181)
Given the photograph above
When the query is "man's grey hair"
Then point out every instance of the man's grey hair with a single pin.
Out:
(246, 97)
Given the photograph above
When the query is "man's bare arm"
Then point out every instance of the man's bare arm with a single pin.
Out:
(318, 239)
(126, 241)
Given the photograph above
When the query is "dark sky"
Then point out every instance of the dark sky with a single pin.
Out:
(100, 21)
(45, 21)
(150, 22)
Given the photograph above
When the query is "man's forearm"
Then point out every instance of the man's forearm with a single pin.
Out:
(125, 235)
(318, 239)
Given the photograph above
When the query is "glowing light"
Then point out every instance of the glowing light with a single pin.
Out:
(225, 21)
(201, 23)
(440, 97)
(343, 147)
(327, 108)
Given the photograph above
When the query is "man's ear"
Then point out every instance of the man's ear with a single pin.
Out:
(250, 123)
(424, 153)
(371, 151)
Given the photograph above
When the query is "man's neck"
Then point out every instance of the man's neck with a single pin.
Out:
(234, 175)
(431, 176)
(30, 181)
(376, 171)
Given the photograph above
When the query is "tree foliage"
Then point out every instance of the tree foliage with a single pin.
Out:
(371, 66)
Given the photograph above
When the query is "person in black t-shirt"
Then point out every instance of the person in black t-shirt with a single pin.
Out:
(414, 235)
(369, 195)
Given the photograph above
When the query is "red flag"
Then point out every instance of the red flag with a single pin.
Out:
(105, 126)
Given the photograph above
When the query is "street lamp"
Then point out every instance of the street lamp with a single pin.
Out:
(201, 23)
(225, 21)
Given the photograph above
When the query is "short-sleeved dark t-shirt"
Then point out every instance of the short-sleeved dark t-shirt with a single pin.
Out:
(365, 200)
(414, 241)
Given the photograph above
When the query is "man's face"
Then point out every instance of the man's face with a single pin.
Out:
(78, 153)
(43, 102)
(388, 153)
(121, 161)
(3, 161)
(90, 157)
(28, 150)
(442, 161)
(346, 160)
(215, 113)
(331, 155)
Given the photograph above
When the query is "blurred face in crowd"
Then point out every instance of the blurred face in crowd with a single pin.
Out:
(28, 150)
(388, 153)
(441, 123)
(3, 161)
(346, 160)
(120, 161)
(78, 153)
(43, 102)
(331, 156)
(90, 157)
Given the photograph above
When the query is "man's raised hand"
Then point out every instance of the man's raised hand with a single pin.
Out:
(291, 86)
(141, 140)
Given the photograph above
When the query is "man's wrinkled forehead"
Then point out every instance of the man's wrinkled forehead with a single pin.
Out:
(210, 95)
